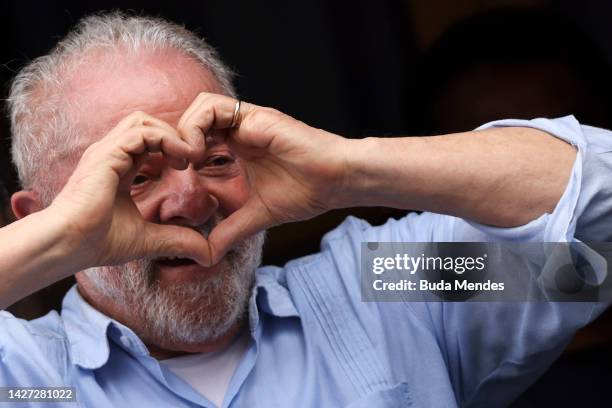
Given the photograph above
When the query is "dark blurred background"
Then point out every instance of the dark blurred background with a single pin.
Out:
(388, 67)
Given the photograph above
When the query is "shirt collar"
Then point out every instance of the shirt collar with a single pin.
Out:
(88, 330)
(271, 293)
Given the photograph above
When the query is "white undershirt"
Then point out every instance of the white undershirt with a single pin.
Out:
(210, 373)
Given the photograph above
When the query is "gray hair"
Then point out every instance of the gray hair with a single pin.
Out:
(42, 132)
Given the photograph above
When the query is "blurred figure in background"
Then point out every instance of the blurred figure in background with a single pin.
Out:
(519, 63)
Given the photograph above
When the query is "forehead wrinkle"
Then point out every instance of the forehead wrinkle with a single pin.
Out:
(162, 83)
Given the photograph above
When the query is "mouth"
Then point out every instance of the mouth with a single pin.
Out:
(173, 262)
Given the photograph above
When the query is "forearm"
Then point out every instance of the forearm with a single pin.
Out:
(34, 254)
(501, 176)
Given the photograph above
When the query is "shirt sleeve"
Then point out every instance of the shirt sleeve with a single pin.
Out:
(494, 350)
(584, 211)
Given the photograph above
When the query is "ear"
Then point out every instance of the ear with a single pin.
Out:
(25, 202)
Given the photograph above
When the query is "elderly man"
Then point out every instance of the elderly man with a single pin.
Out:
(144, 176)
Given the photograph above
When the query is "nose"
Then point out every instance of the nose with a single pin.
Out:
(187, 200)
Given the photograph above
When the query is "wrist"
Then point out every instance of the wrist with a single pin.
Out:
(66, 250)
(356, 185)
(40, 255)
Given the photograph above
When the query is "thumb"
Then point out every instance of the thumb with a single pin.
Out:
(250, 219)
(173, 240)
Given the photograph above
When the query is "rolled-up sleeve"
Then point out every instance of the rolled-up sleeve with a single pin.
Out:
(584, 212)
(561, 224)
(494, 350)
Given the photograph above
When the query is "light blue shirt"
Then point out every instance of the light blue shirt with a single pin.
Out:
(316, 344)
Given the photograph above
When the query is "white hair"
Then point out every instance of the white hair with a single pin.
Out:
(43, 134)
(191, 312)
(187, 312)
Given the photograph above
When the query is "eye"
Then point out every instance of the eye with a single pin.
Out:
(218, 161)
(140, 179)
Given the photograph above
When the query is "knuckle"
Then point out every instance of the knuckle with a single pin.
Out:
(190, 151)
(202, 96)
(262, 118)
(138, 117)
(91, 149)
(258, 116)
(140, 131)
(149, 137)
(185, 130)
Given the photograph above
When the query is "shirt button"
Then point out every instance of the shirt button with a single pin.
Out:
(125, 341)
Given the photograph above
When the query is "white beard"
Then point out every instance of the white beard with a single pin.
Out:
(186, 312)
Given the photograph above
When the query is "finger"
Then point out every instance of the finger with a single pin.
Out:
(118, 153)
(191, 133)
(207, 113)
(211, 111)
(137, 118)
(140, 139)
(243, 223)
(149, 120)
(192, 108)
(197, 144)
(163, 139)
(125, 183)
(173, 240)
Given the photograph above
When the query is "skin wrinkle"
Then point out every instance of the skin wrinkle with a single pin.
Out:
(79, 81)
(103, 82)
(172, 313)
